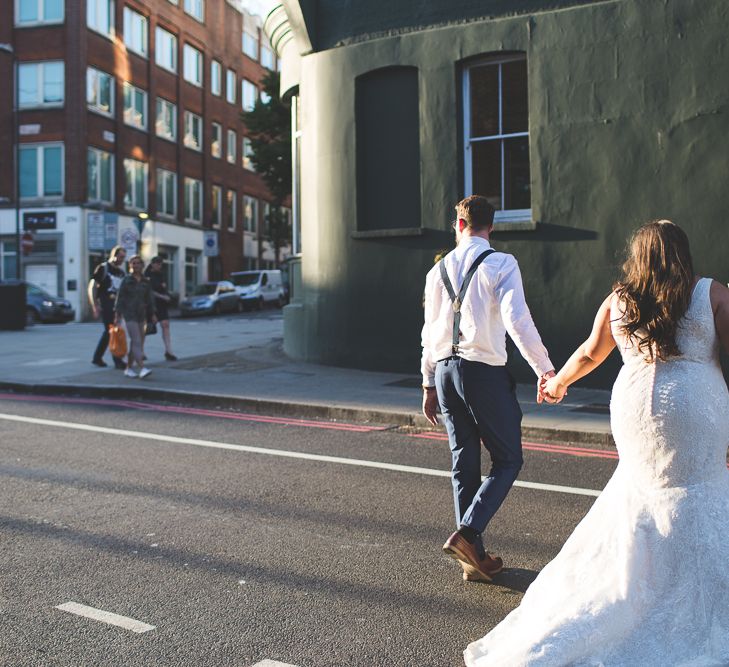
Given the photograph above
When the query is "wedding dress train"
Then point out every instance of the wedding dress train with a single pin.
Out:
(643, 581)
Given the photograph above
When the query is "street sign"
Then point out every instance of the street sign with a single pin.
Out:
(129, 238)
(26, 243)
(95, 231)
(210, 244)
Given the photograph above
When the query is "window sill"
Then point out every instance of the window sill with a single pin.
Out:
(388, 233)
(517, 220)
(38, 24)
(99, 112)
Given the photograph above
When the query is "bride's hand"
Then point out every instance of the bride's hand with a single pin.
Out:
(552, 390)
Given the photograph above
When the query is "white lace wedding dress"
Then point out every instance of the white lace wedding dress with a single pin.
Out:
(643, 581)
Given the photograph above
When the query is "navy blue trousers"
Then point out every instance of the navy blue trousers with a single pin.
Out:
(479, 407)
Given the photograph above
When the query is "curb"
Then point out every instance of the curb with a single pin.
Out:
(289, 409)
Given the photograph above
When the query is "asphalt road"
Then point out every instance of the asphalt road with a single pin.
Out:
(254, 553)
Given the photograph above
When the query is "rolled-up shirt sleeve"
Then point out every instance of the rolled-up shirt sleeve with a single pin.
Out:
(427, 363)
(509, 292)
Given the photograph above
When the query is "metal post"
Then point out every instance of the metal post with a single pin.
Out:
(8, 48)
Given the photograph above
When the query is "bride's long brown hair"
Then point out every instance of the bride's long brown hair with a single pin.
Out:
(656, 286)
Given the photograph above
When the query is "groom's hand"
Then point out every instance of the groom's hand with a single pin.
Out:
(430, 405)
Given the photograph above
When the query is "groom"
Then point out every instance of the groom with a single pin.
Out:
(473, 298)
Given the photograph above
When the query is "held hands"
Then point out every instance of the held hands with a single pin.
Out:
(550, 389)
(430, 405)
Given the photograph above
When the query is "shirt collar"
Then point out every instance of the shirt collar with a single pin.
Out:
(471, 242)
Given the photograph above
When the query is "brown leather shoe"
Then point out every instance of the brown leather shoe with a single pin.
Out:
(475, 567)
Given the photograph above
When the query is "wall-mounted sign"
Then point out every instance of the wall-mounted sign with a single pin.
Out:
(210, 244)
(129, 238)
(30, 128)
(39, 220)
(102, 230)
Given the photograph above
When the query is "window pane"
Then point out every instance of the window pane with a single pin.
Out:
(516, 173)
(484, 100)
(515, 109)
(105, 177)
(28, 84)
(486, 164)
(52, 171)
(27, 11)
(53, 10)
(92, 174)
(28, 172)
(53, 82)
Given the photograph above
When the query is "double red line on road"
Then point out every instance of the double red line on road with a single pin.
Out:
(285, 421)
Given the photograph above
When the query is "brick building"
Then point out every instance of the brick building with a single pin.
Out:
(129, 131)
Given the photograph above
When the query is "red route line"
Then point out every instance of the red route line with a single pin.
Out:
(136, 405)
(541, 447)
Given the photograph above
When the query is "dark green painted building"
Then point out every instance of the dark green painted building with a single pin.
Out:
(579, 121)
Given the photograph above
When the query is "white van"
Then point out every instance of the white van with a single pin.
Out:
(258, 288)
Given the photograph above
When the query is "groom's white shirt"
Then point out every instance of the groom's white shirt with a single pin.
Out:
(494, 304)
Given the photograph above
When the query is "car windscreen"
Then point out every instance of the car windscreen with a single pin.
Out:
(201, 290)
(246, 279)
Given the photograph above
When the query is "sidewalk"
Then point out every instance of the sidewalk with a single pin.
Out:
(237, 362)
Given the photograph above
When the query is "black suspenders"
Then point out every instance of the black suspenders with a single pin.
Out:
(458, 300)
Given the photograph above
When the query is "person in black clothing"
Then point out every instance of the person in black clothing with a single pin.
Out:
(161, 302)
(102, 291)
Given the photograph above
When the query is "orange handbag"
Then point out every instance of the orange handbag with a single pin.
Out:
(117, 341)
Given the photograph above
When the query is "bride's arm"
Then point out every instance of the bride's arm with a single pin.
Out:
(719, 296)
(588, 356)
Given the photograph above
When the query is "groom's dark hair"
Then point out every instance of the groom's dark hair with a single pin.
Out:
(476, 211)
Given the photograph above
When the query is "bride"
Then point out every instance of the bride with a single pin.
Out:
(643, 581)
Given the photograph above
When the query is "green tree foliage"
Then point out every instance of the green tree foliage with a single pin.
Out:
(269, 129)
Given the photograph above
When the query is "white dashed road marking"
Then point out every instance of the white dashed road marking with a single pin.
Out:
(272, 663)
(396, 467)
(105, 617)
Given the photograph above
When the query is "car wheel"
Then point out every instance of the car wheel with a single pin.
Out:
(280, 303)
(31, 317)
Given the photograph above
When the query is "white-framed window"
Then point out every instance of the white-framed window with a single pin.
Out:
(232, 145)
(192, 70)
(196, 9)
(216, 203)
(266, 219)
(496, 141)
(166, 193)
(136, 32)
(250, 41)
(192, 270)
(100, 176)
(193, 200)
(267, 59)
(174, 2)
(249, 95)
(247, 153)
(165, 49)
(135, 106)
(100, 16)
(250, 213)
(231, 197)
(8, 259)
(166, 119)
(216, 140)
(38, 12)
(230, 86)
(216, 78)
(41, 171)
(193, 131)
(135, 179)
(265, 97)
(41, 84)
(100, 91)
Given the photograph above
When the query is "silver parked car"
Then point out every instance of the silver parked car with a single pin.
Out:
(211, 298)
